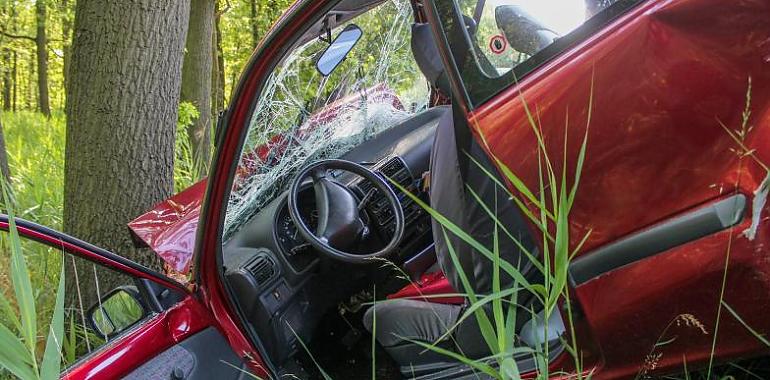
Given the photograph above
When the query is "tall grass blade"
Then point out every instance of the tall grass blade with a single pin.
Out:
(476, 364)
(22, 285)
(307, 351)
(753, 332)
(51, 364)
(14, 356)
(485, 325)
(9, 313)
(464, 236)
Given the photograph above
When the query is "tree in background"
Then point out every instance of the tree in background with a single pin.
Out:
(218, 69)
(6, 173)
(41, 49)
(122, 101)
(38, 65)
(197, 78)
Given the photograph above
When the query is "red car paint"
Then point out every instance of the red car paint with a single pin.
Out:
(169, 229)
(428, 287)
(148, 340)
(207, 267)
(144, 342)
(664, 76)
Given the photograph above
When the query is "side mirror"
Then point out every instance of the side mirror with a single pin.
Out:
(338, 49)
(524, 33)
(116, 312)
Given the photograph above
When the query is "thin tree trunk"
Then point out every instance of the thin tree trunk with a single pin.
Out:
(15, 72)
(7, 85)
(215, 71)
(5, 70)
(6, 173)
(254, 24)
(219, 72)
(66, 31)
(122, 107)
(41, 44)
(196, 79)
(31, 98)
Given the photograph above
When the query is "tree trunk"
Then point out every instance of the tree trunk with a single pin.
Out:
(196, 79)
(66, 31)
(218, 80)
(254, 24)
(7, 85)
(122, 108)
(31, 98)
(15, 72)
(6, 173)
(41, 44)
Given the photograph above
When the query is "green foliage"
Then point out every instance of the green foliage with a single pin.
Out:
(20, 348)
(186, 170)
(35, 146)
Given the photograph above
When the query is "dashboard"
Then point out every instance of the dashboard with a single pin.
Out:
(274, 273)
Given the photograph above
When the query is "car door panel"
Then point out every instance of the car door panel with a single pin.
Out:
(205, 355)
(179, 323)
(664, 81)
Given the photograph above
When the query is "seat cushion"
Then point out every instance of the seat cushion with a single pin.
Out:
(400, 322)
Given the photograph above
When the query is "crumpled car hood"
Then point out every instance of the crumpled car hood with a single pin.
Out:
(170, 227)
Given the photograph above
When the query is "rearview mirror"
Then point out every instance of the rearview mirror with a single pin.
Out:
(116, 312)
(338, 49)
(524, 33)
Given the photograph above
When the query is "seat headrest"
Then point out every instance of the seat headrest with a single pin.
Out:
(426, 53)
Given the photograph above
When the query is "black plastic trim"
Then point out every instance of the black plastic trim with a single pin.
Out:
(680, 230)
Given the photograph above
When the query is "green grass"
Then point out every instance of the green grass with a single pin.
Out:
(19, 335)
(35, 147)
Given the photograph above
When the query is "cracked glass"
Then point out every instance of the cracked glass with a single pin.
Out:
(302, 116)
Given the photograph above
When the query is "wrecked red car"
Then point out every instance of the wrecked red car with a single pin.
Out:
(364, 167)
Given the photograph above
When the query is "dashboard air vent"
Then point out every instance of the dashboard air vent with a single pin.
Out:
(262, 268)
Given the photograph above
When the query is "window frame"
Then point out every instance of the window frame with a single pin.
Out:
(476, 87)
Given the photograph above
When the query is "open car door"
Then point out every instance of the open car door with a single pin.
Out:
(673, 99)
(122, 320)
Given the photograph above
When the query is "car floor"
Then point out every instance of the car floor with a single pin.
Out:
(344, 351)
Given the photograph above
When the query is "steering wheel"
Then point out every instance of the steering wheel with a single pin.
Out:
(340, 224)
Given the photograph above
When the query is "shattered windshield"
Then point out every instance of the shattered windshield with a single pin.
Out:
(303, 116)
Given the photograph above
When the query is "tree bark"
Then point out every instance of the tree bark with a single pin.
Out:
(196, 78)
(122, 107)
(66, 31)
(15, 92)
(218, 75)
(41, 44)
(4, 171)
(7, 84)
(254, 24)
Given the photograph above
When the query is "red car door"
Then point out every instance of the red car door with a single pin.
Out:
(675, 177)
(171, 335)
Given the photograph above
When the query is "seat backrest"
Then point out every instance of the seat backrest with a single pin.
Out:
(457, 193)
(426, 54)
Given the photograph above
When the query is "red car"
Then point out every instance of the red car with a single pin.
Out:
(346, 104)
